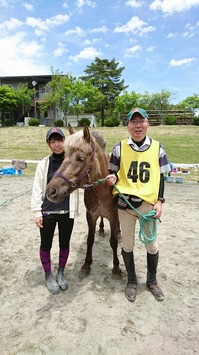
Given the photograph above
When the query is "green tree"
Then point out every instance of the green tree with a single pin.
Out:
(70, 95)
(105, 75)
(58, 93)
(84, 97)
(125, 102)
(191, 102)
(156, 101)
(8, 100)
(24, 98)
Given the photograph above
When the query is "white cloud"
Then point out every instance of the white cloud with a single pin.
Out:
(77, 31)
(28, 6)
(135, 26)
(65, 5)
(172, 35)
(134, 3)
(61, 49)
(130, 51)
(42, 25)
(6, 3)
(191, 27)
(102, 29)
(187, 35)
(171, 6)
(150, 49)
(86, 53)
(30, 49)
(36, 23)
(11, 24)
(178, 35)
(81, 3)
(90, 41)
(177, 63)
(21, 57)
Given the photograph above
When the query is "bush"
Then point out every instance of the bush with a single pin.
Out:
(33, 122)
(59, 123)
(196, 121)
(82, 121)
(8, 123)
(170, 120)
(111, 122)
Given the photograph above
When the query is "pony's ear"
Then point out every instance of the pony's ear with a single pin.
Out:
(70, 129)
(86, 133)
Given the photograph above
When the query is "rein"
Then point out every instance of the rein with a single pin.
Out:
(75, 183)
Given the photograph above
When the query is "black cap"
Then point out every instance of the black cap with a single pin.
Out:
(54, 130)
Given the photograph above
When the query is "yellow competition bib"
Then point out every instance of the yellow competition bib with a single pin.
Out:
(139, 172)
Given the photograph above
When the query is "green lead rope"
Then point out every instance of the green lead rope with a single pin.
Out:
(145, 220)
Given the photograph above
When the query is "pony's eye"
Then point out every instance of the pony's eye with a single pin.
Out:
(81, 158)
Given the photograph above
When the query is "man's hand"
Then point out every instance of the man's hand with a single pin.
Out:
(111, 179)
(158, 209)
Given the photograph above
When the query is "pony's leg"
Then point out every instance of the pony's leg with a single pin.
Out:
(119, 234)
(85, 269)
(101, 227)
(114, 244)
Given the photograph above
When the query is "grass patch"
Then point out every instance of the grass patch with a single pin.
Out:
(28, 143)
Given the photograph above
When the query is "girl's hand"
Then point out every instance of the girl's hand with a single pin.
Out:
(39, 222)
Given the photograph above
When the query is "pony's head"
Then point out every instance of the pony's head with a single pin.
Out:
(78, 168)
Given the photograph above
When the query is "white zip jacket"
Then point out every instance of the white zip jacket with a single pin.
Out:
(39, 189)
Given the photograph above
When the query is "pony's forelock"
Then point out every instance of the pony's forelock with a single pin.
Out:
(76, 140)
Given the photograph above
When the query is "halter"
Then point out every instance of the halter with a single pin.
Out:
(75, 183)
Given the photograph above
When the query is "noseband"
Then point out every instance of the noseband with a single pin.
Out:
(75, 184)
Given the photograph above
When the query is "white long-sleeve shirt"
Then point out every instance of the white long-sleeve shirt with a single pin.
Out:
(39, 190)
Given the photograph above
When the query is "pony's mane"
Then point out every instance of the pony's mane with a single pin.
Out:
(77, 140)
(99, 139)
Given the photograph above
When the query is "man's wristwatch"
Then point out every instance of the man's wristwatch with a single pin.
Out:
(162, 199)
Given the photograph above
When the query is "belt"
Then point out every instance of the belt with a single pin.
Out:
(46, 213)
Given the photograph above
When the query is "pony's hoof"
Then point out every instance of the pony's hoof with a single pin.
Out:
(116, 277)
(101, 234)
(116, 272)
(83, 273)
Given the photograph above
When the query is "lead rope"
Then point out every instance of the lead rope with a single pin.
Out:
(145, 219)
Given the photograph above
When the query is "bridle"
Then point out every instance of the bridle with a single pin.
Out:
(75, 184)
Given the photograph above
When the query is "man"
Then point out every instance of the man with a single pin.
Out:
(137, 167)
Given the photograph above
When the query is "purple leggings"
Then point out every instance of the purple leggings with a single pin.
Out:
(46, 261)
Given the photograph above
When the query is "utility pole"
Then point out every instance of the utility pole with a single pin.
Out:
(34, 83)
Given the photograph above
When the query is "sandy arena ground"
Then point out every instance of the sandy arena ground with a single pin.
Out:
(93, 315)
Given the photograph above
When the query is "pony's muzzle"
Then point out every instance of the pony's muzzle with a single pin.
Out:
(51, 194)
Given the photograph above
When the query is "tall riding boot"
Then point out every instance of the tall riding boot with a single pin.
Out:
(51, 284)
(62, 282)
(152, 263)
(131, 287)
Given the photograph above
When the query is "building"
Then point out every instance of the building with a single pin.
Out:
(35, 82)
(38, 84)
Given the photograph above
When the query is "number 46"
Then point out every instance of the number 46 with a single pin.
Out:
(140, 172)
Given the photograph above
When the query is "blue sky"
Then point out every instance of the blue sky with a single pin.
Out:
(156, 41)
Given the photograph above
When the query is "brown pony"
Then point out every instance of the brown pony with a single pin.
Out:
(85, 163)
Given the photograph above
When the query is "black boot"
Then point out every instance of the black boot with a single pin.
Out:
(62, 282)
(152, 263)
(131, 288)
